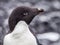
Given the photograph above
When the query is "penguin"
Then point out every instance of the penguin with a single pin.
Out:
(19, 20)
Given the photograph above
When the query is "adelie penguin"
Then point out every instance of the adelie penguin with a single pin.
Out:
(18, 24)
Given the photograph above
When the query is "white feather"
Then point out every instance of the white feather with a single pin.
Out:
(20, 36)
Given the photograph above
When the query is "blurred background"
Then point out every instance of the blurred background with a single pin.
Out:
(51, 7)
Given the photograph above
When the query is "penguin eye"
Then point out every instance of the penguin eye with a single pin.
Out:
(25, 13)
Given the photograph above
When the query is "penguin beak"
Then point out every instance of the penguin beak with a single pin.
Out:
(40, 10)
(37, 11)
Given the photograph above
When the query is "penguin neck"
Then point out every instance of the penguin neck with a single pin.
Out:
(28, 19)
(14, 21)
(20, 29)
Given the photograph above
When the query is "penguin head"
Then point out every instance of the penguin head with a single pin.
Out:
(22, 14)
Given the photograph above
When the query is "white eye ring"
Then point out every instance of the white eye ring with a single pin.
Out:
(25, 13)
